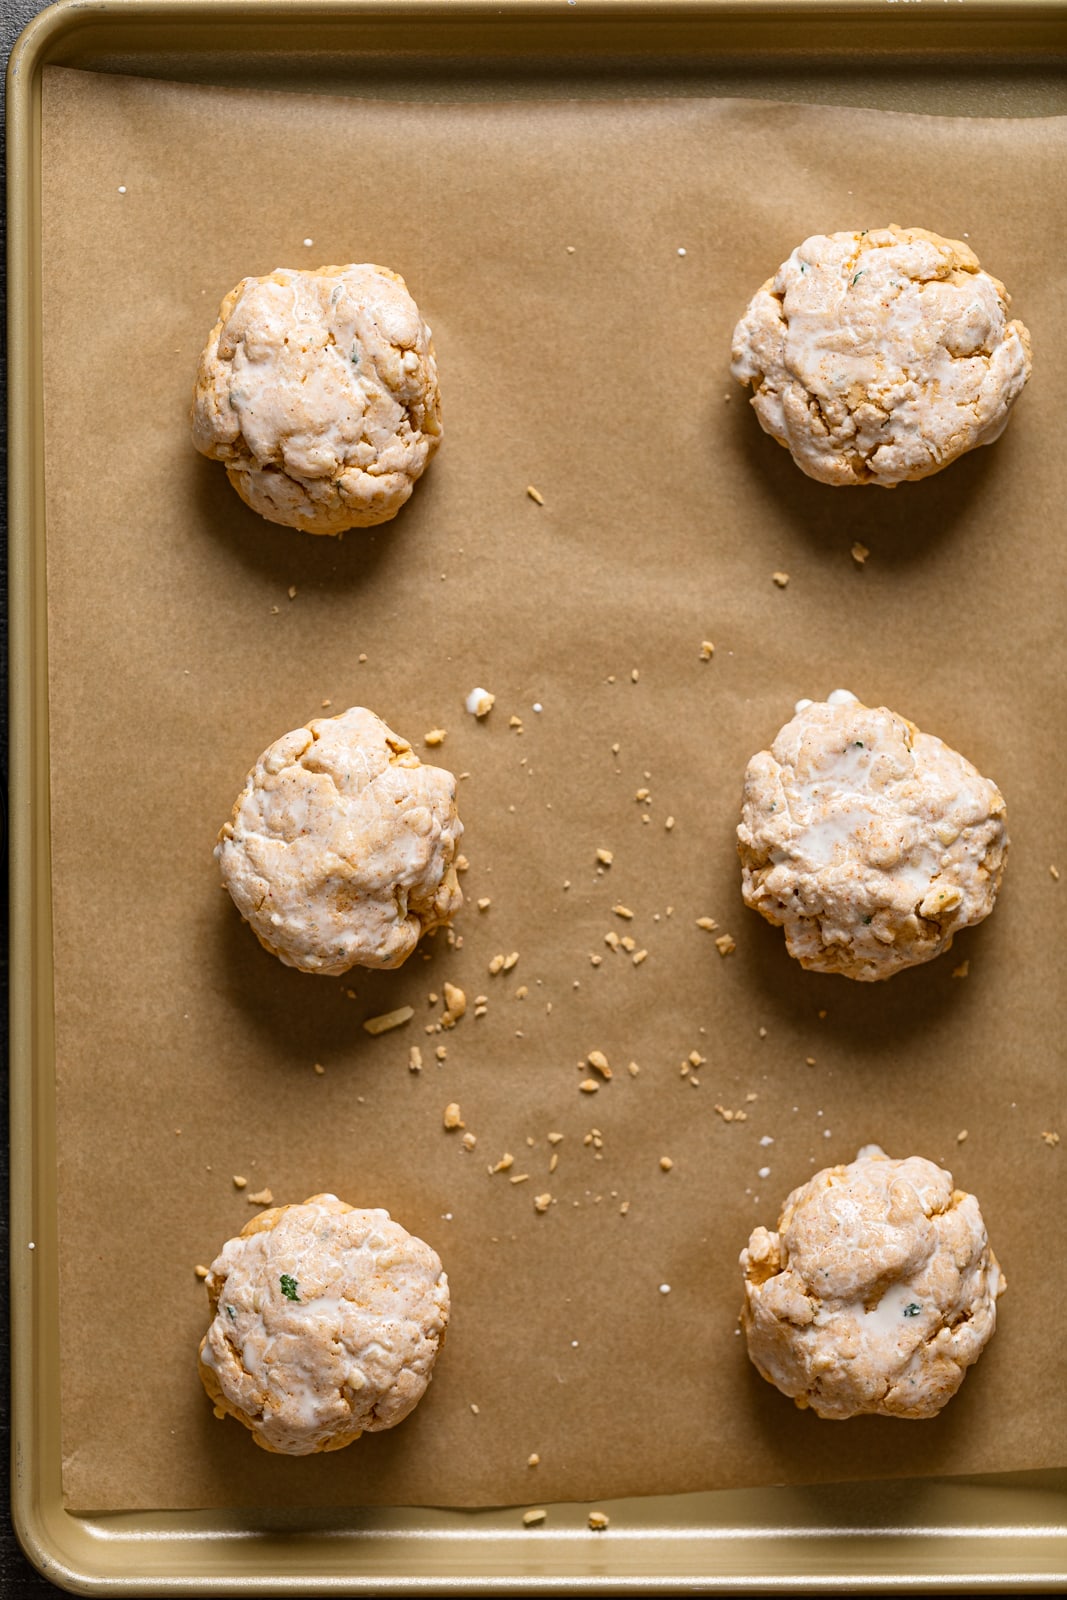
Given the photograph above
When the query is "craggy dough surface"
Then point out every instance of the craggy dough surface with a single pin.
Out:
(881, 356)
(340, 850)
(872, 844)
(327, 1323)
(876, 1293)
(319, 392)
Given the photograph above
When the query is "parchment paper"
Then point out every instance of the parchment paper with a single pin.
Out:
(599, 375)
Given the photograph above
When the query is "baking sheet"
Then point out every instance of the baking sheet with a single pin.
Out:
(176, 654)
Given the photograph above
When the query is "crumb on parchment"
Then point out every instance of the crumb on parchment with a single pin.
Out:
(389, 1019)
(731, 1116)
(480, 702)
(455, 1005)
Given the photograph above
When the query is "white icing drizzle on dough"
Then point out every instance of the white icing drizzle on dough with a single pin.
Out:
(327, 1324)
(877, 1291)
(872, 844)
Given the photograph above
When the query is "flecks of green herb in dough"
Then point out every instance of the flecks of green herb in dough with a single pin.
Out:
(912, 1310)
(290, 1287)
(866, 922)
(231, 1313)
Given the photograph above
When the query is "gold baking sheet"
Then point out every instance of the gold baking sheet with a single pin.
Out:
(527, 433)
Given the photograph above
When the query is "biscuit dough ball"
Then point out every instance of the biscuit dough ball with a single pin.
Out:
(340, 851)
(870, 843)
(318, 390)
(876, 1293)
(327, 1323)
(881, 356)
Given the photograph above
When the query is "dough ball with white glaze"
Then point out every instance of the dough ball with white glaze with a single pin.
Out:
(341, 848)
(881, 356)
(875, 1294)
(326, 1324)
(318, 391)
(872, 844)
